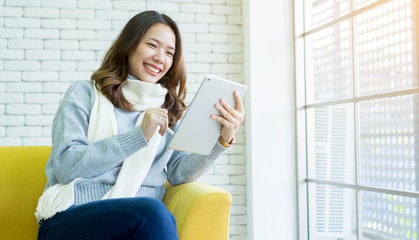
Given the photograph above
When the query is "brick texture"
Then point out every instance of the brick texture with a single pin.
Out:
(45, 45)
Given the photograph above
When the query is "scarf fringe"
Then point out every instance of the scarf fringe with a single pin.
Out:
(55, 199)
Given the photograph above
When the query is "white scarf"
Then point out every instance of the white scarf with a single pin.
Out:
(102, 124)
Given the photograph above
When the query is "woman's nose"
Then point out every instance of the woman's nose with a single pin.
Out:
(159, 57)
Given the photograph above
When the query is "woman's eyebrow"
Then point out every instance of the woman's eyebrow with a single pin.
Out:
(154, 39)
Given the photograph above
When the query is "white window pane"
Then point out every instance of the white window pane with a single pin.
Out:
(388, 130)
(332, 213)
(387, 56)
(329, 63)
(330, 143)
(363, 3)
(323, 11)
(387, 216)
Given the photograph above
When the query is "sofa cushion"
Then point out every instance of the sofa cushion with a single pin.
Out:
(22, 181)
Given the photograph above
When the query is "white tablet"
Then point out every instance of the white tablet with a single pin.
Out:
(197, 132)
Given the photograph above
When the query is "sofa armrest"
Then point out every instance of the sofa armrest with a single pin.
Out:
(201, 211)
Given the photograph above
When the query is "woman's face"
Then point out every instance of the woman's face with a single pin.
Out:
(153, 56)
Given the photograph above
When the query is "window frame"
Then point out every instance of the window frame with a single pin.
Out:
(301, 115)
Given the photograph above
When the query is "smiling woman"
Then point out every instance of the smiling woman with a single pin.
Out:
(109, 159)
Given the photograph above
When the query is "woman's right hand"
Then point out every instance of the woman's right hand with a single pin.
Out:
(153, 118)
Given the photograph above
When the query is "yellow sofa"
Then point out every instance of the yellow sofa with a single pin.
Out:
(202, 211)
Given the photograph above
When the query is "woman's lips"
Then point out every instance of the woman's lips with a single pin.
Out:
(152, 69)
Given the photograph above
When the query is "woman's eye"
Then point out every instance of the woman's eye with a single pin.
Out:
(170, 54)
(151, 45)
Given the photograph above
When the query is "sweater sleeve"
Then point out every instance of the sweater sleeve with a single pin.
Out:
(186, 167)
(72, 155)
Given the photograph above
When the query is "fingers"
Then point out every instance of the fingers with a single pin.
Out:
(161, 119)
(237, 112)
(227, 119)
(163, 122)
(226, 111)
(239, 102)
(221, 120)
(228, 108)
(230, 118)
(154, 118)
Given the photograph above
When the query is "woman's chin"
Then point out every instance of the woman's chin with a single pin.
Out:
(155, 80)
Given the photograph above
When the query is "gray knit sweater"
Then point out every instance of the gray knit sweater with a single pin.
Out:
(99, 163)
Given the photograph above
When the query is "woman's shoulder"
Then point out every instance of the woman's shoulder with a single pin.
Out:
(80, 94)
(84, 86)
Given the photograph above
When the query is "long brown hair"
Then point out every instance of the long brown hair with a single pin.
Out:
(113, 73)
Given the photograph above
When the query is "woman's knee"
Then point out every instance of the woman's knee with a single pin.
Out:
(155, 210)
(155, 218)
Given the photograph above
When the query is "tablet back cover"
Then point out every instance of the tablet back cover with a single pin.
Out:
(197, 132)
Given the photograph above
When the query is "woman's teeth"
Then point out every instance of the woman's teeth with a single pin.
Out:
(152, 68)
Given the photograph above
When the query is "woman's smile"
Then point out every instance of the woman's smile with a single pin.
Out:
(153, 70)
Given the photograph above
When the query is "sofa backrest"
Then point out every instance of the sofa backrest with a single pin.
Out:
(22, 181)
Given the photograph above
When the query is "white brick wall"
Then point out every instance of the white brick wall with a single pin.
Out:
(45, 45)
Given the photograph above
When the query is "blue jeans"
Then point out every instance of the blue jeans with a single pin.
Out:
(125, 218)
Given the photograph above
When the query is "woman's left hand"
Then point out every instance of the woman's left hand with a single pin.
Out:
(230, 118)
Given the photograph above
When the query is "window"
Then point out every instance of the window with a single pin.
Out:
(358, 119)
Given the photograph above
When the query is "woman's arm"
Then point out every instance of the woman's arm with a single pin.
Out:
(185, 167)
(72, 155)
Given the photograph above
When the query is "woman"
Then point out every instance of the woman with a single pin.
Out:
(109, 159)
